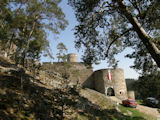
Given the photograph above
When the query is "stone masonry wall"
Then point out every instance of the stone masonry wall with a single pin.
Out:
(85, 76)
(119, 83)
(131, 95)
(76, 72)
(99, 81)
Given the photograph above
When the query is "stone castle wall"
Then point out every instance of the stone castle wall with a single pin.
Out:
(77, 72)
(99, 81)
(84, 75)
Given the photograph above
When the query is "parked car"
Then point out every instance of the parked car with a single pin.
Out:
(151, 102)
(129, 103)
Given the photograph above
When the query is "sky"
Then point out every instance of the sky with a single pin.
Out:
(67, 37)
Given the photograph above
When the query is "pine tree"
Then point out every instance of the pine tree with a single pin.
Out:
(25, 23)
(61, 55)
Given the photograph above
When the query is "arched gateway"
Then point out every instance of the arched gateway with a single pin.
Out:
(110, 92)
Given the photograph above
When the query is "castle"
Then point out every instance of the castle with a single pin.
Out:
(110, 82)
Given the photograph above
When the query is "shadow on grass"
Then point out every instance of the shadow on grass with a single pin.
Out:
(36, 102)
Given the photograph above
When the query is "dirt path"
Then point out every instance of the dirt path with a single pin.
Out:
(149, 111)
(144, 109)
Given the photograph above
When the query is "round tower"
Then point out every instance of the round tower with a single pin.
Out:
(131, 95)
(111, 82)
(119, 83)
(72, 57)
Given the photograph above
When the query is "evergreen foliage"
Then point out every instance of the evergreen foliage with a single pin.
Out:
(25, 24)
(148, 86)
(62, 50)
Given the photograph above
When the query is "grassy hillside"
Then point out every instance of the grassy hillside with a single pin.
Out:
(37, 101)
(108, 109)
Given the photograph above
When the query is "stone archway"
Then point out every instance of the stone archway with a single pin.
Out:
(110, 92)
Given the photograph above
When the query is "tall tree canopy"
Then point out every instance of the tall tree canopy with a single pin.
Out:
(25, 23)
(107, 27)
(149, 85)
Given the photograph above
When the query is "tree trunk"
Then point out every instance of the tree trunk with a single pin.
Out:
(145, 38)
(30, 34)
(13, 33)
(10, 44)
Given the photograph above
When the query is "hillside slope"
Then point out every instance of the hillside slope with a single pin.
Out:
(22, 97)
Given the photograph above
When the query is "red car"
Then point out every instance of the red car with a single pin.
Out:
(129, 103)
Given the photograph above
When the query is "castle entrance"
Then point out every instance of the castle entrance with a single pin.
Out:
(110, 92)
